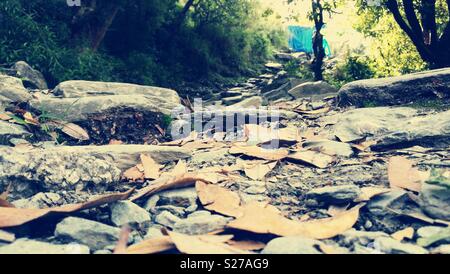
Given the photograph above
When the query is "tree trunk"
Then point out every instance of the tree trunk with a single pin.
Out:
(319, 51)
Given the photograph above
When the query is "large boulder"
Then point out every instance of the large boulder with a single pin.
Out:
(74, 167)
(391, 127)
(12, 90)
(433, 84)
(315, 90)
(31, 78)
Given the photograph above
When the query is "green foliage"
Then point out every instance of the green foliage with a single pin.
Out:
(146, 43)
(353, 68)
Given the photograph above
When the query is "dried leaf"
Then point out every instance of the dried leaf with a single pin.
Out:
(5, 117)
(30, 119)
(407, 233)
(257, 134)
(219, 199)
(402, 174)
(363, 146)
(161, 130)
(369, 192)
(151, 167)
(259, 171)
(10, 217)
(247, 245)
(179, 169)
(151, 246)
(334, 210)
(204, 244)
(261, 153)
(314, 158)
(166, 182)
(134, 174)
(262, 219)
(75, 131)
(5, 236)
(115, 142)
(313, 112)
(122, 243)
(4, 197)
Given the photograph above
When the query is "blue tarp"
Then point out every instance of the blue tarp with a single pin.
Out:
(300, 40)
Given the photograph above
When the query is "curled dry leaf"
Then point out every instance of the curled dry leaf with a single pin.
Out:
(219, 199)
(261, 153)
(151, 246)
(6, 236)
(4, 198)
(10, 217)
(151, 167)
(369, 192)
(261, 219)
(204, 244)
(314, 158)
(5, 117)
(407, 233)
(133, 174)
(75, 131)
(259, 171)
(402, 174)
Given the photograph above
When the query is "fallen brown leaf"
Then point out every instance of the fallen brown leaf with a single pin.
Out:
(261, 153)
(122, 243)
(334, 210)
(115, 142)
(4, 198)
(134, 174)
(75, 131)
(5, 117)
(314, 158)
(313, 112)
(10, 217)
(407, 233)
(257, 134)
(151, 246)
(259, 170)
(402, 174)
(247, 245)
(151, 167)
(6, 236)
(369, 192)
(261, 219)
(219, 199)
(204, 244)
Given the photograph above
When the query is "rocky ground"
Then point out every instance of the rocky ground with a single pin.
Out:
(274, 165)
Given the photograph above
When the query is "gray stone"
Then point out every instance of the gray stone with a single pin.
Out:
(255, 101)
(27, 246)
(32, 78)
(390, 127)
(201, 224)
(433, 84)
(435, 201)
(12, 90)
(153, 232)
(334, 194)
(84, 108)
(332, 148)
(93, 234)
(292, 245)
(126, 212)
(175, 210)
(379, 204)
(68, 168)
(103, 252)
(183, 197)
(9, 131)
(392, 246)
(40, 200)
(315, 90)
(433, 235)
(363, 238)
(167, 219)
(200, 213)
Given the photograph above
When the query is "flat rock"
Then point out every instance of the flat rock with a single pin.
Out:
(183, 197)
(433, 235)
(392, 127)
(363, 238)
(292, 245)
(199, 225)
(334, 194)
(93, 234)
(255, 101)
(75, 167)
(12, 90)
(167, 219)
(40, 200)
(392, 246)
(315, 90)
(126, 212)
(80, 109)
(329, 147)
(27, 246)
(432, 84)
(435, 201)
(379, 205)
(10, 131)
